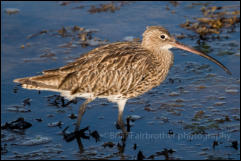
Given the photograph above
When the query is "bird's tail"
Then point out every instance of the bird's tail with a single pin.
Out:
(40, 82)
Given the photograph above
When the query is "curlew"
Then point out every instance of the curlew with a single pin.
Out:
(117, 71)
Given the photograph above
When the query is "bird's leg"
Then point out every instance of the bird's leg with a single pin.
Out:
(81, 147)
(121, 106)
(81, 112)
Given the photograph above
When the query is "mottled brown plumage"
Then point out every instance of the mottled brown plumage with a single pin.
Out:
(117, 71)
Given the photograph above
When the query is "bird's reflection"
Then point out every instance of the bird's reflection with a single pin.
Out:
(82, 134)
(76, 135)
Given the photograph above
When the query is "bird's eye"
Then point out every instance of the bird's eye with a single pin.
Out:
(163, 37)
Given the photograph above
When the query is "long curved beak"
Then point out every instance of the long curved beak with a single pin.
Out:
(183, 47)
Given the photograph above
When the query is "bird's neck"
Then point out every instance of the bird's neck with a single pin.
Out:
(164, 58)
(163, 62)
(164, 55)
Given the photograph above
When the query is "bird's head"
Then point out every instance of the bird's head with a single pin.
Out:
(157, 39)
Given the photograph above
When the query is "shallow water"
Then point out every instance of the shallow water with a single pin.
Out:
(195, 112)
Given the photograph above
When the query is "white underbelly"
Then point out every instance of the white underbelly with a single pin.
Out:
(112, 98)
